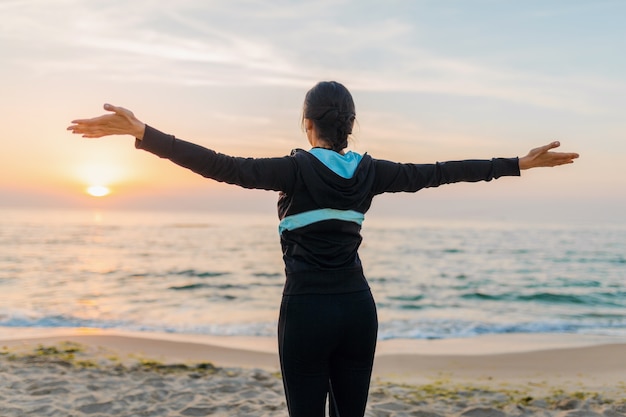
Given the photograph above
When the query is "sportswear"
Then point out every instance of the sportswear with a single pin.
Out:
(321, 211)
(328, 324)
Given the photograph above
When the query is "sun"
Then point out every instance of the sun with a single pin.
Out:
(98, 191)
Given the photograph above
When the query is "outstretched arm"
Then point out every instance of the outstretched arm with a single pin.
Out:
(542, 157)
(262, 173)
(395, 177)
(120, 122)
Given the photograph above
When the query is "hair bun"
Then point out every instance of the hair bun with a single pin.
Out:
(330, 106)
(329, 117)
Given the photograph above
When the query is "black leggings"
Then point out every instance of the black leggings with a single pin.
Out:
(326, 344)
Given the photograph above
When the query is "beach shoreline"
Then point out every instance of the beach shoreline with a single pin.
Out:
(498, 373)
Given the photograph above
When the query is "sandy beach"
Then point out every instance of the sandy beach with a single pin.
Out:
(92, 372)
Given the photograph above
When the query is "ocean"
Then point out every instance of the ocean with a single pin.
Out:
(222, 274)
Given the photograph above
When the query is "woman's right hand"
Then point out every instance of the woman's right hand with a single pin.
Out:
(120, 122)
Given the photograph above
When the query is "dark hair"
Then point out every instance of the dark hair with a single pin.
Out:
(330, 106)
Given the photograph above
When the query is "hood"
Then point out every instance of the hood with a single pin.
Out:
(330, 190)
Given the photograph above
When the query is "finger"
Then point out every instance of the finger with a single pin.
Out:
(99, 130)
(564, 155)
(76, 128)
(558, 158)
(550, 145)
(118, 110)
(83, 129)
(93, 120)
(110, 107)
(571, 155)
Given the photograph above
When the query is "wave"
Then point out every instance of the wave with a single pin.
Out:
(198, 274)
(391, 329)
(188, 287)
(191, 273)
(418, 297)
(606, 299)
(454, 328)
(266, 329)
(55, 321)
(267, 274)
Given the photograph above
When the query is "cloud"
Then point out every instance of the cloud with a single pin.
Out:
(271, 43)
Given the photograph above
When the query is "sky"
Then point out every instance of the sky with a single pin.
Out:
(432, 81)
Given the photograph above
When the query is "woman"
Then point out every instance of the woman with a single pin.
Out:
(327, 325)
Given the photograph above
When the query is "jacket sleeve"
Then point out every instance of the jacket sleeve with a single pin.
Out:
(397, 177)
(275, 174)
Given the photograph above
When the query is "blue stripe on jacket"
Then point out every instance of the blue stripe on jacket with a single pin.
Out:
(306, 218)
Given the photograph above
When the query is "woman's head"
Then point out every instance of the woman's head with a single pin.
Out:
(329, 106)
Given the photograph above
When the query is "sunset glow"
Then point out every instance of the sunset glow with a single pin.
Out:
(98, 191)
(432, 81)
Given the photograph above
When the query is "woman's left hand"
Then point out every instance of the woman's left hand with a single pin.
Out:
(542, 157)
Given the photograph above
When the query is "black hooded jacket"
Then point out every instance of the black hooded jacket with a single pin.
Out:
(321, 211)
